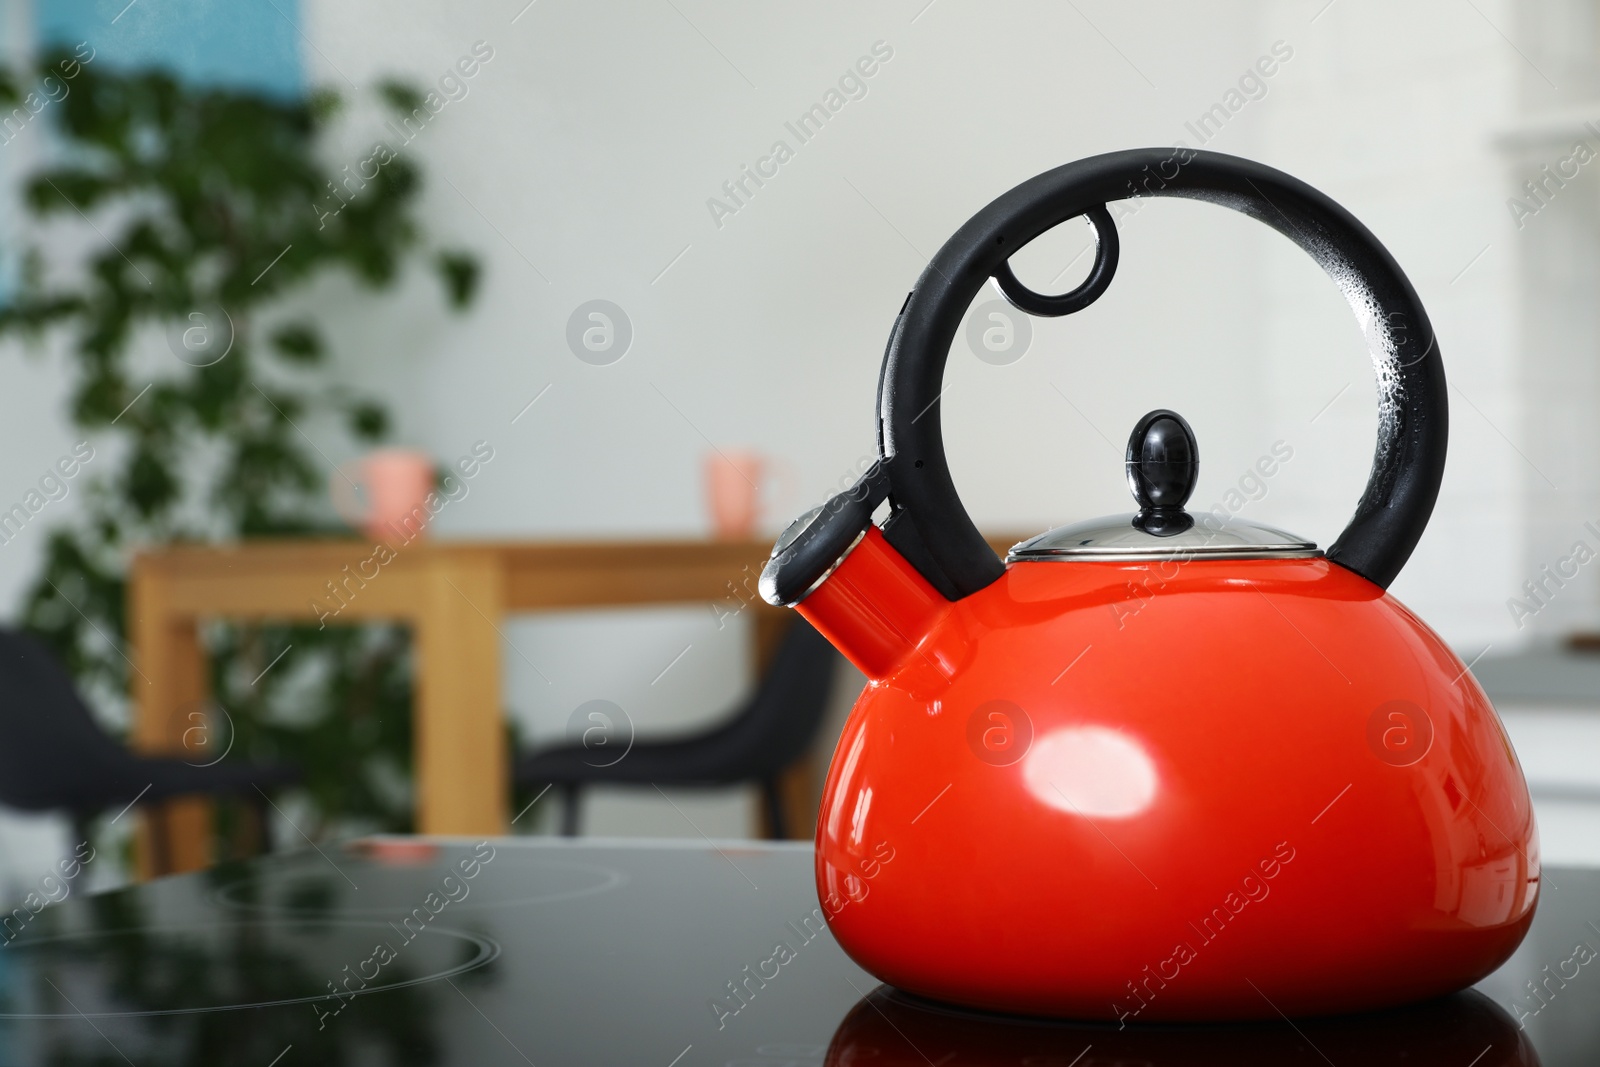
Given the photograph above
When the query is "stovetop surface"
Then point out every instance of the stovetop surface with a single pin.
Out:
(513, 951)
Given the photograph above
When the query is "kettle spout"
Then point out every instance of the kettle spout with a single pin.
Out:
(874, 606)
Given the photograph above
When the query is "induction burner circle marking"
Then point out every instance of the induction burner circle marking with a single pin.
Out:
(609, 878)
(487, 950)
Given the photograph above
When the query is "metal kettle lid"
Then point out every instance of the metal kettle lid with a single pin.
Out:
(1118, 537)
(1163, 464)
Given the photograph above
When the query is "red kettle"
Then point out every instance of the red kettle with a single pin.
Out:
(1161, 766)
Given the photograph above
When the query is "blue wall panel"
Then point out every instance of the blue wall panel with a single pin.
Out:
(250, 44)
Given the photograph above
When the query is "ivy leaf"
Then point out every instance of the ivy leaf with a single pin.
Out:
(192, 196)
(324, 105)
(368, 421)
(67, 191)
(152, 483)
(400, 96)
(460, 273)
(299, 342)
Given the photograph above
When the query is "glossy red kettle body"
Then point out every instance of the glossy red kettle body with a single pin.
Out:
(1075, 832)
(1154, 767)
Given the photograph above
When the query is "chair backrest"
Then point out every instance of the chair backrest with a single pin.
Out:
(782, 717)
(53, 755)
(767, 733)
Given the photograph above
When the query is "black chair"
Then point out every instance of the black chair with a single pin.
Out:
(767, 735)
(55, 757)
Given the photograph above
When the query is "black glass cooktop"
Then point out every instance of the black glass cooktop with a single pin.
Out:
(400, 951)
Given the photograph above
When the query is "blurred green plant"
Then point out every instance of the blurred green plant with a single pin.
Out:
(204, 211)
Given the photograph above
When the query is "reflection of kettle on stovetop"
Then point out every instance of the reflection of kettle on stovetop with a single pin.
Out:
(1274, 789)
(889, 1029)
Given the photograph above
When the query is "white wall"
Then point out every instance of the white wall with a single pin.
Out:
(591, 142)
(593, 139)
(1393, 114)
(1557, 250)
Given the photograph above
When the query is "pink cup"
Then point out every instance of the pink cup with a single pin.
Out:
(735, 480)
(395, 483)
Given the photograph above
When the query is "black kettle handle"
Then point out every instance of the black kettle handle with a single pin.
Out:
(929, 525)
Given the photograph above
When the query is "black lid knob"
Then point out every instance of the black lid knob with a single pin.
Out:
(1163, 465)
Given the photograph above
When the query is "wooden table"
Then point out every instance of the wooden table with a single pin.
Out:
(453, 595)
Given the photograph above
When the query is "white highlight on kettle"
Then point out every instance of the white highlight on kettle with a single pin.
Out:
(1092, 771)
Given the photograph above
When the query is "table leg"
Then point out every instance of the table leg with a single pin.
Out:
(770, 624)
(170, 678)
(797, 788)
(459, 732)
